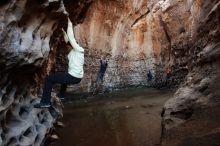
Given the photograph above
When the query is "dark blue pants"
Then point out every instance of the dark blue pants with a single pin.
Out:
(62, 78)
(100, 77)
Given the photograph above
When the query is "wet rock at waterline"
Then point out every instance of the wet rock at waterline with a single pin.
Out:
(192, 116)
(136, 36)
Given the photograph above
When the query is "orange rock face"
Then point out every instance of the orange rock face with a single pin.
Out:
(137, 36)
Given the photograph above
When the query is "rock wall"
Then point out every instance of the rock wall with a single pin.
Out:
(192, 116)
(137, 36)
(28, 41)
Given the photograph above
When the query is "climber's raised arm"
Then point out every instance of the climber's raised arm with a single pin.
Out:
(72, 39)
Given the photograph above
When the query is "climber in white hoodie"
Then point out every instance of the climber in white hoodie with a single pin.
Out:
(74, 74)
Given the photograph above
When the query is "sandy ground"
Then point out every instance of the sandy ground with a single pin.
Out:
(129, 118)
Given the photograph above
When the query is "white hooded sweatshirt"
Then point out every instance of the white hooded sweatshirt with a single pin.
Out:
(76, 55)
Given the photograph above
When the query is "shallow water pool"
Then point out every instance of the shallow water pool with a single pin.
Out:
(126, 118)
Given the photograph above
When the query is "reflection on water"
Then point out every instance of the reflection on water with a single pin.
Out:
(129, 118)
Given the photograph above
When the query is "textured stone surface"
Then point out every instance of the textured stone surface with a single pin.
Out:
(136, 36)
(192, 116)
(26, 30)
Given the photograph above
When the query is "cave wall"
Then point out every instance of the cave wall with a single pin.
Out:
(137, 36)
(29, 37)
(25, 31)
(192, 116)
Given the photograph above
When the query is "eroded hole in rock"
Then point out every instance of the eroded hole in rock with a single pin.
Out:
(4, 99)
(37, 127)
(12, 141)
(43, 120)
(37, 139)
(8, 117)
(28, 132)
(183, 114)
(24, 111)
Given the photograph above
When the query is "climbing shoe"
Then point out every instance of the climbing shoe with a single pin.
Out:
(42, 105)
